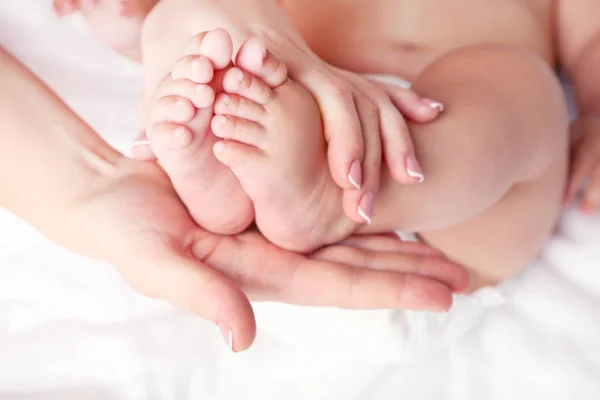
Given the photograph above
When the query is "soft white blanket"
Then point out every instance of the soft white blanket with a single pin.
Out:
(71, 329)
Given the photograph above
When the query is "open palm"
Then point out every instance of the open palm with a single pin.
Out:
(135, 221)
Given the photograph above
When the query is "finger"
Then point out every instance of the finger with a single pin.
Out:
(590, 202)
(432, 266)
(411, 105)
(359, 204)
(581, 167)
(174, 276)
(398, 148)
(141, 150)
(343, 286)
(342, 128)
(389, 243)
(266, 272)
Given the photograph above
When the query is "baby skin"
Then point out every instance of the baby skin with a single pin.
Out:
(116, 22)
(255, 150)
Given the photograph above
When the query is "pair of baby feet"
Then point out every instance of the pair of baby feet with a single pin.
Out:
(242, 142)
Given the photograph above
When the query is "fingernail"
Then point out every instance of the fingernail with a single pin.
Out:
(414, 169)
(141, 142)
(140, 150)
(436, 105)
(227, 336)
(365, 207)
(355, 175)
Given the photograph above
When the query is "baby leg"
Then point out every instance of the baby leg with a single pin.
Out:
(495, 161)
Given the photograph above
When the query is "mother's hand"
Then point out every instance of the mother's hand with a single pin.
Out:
(135, 221)
(363, 120)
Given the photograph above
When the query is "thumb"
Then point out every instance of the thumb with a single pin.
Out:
(140, 148)
(187, 283)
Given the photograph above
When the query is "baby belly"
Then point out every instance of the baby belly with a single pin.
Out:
(402, 37)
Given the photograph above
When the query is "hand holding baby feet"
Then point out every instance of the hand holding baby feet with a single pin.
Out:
(362, 122)
(178, 129)
(585, 164)
(273, 142)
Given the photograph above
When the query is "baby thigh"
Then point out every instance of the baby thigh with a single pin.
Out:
(507, 124)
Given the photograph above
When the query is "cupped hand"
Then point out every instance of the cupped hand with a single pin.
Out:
(134, 220)
(364, 122)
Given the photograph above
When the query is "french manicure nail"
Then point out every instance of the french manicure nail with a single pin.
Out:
(227, 336)
(140, 142)
(436, 105)
(414, 169)
(355, 175)
(365, 207)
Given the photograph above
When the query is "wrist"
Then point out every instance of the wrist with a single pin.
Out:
(59, 213)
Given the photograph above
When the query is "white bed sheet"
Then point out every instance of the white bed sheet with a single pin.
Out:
(71, 329)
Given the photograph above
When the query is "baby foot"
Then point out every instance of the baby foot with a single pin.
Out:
(65, 7)
(178, 129)
(273, 142)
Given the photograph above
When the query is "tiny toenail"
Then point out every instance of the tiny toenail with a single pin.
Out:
(197, 66)
(365, 207)
(238, 76)
(181, 136)
(201, 88)
(219, 147)
(222, 121)
(226, 100)
(140, 142)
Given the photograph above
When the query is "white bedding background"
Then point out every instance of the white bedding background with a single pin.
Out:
(71, 329)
